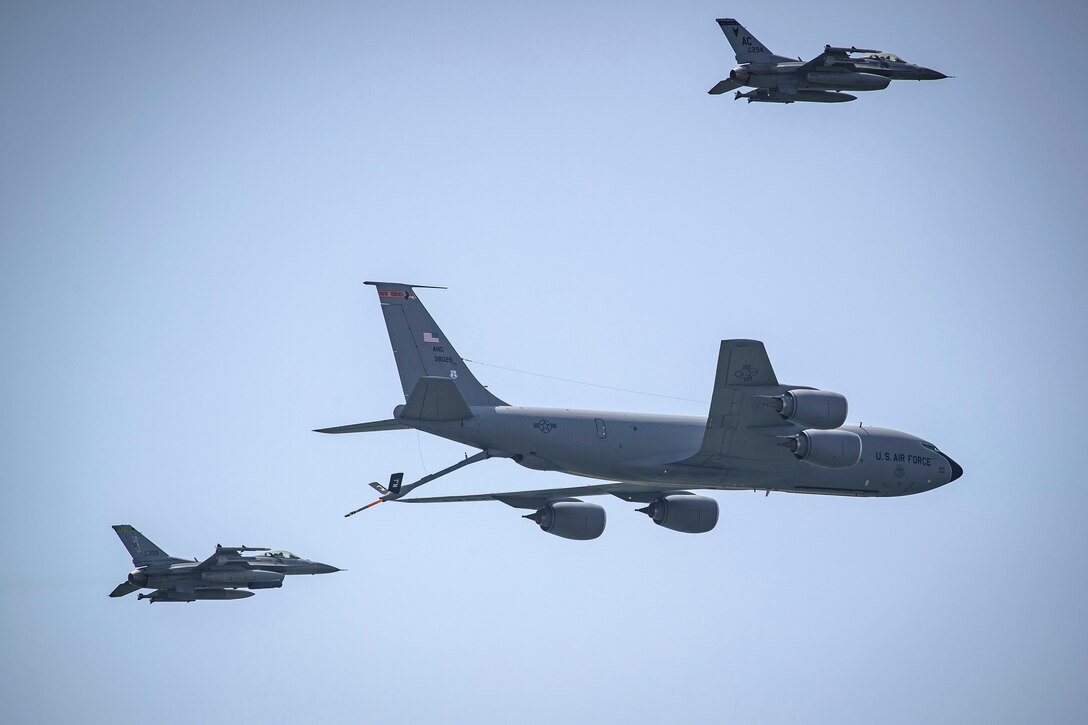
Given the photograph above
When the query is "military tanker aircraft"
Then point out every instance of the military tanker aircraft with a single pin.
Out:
(220, 576)
(823, 79)
(759, 434)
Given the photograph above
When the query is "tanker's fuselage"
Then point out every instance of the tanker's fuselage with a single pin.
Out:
(645, 448)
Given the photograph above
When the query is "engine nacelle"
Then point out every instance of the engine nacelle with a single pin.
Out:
(244, 577)
(827, 448)
(137, 579)
(740, 75)
(812, 408)
(265, 585)
(849, 79)
(684, 512)
(576, 520)
(219, 594)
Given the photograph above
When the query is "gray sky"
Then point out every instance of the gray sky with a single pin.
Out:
(191, 195)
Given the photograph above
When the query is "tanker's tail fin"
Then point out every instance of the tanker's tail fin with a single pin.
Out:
(420, 347)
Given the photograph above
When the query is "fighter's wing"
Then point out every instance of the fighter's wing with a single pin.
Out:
(787, 87)
(829, 56)
(536, 499)
(741, 428)
(723, 87)
(228, 557)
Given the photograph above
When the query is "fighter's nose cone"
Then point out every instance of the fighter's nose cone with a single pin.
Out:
(928, 74)
(325, 569)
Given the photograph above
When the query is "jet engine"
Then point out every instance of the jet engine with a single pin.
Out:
(683, 511)
(740, 75)
(849, 79)
(827, 448)
(137, 579)
(576, 520)
(811, 408)
(244, 578)
(265, 585)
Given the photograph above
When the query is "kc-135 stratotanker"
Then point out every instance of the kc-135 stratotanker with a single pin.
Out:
(759, 434)
(776, 79)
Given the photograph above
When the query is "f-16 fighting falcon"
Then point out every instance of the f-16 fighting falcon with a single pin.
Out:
(776, 79)
(220, 576)
(759, 434)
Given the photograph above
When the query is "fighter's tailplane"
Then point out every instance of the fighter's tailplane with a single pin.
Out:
(420, 347)
(143, 551)
(123, 589)
(745, 45)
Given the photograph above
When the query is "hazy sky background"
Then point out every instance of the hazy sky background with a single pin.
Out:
(191, 195)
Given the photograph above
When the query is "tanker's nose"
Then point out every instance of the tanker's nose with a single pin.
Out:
(957, 470)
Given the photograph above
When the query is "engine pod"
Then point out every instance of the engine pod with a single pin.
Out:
(818, 409)
(827, 448)
(575, 519)
(684, 512)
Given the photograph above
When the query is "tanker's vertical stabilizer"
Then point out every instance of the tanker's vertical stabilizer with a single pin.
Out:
(420, 347)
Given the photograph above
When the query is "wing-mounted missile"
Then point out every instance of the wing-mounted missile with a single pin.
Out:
(232, 554)
(851, 49)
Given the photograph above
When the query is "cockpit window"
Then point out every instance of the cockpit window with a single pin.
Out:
(885, 56)
(282, 555)
(931, 447)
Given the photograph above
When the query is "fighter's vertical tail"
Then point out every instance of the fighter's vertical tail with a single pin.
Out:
(421, 348)
(745, 45)
(143, 550)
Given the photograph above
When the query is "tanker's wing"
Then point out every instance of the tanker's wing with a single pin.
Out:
(741, 429)
(541, 497)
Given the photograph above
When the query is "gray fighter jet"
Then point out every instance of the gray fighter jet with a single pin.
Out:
(776, 79)
(220, 576)
(759, 435)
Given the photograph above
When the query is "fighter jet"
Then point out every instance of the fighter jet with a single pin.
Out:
(220, 576)
(776, 79)
(759, 434)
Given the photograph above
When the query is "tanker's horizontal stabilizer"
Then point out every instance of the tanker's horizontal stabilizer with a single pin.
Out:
(370, 427)
(436, 399)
